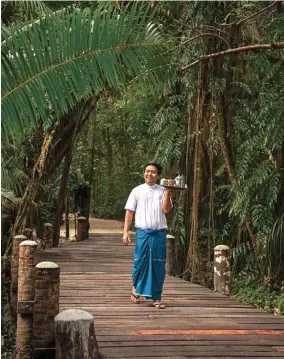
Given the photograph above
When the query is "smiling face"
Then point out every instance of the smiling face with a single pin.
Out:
(151, 175)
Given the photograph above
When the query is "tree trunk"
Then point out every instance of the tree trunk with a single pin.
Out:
(61, 196)
(224, 141)
(67, 227)
(90, 164)
(192, 256)
(53, 150)
(33, 185)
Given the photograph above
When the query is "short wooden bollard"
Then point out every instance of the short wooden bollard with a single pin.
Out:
(75, 336)
(47, 236)
(170, 254)
(14, 272)
(222, 272)
(46, 305)
(28, 233)
(82, 229)
(26, 283)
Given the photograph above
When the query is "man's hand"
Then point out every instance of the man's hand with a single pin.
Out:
(167, 202)
(126, 238)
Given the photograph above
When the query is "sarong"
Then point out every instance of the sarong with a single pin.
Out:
(148, 271)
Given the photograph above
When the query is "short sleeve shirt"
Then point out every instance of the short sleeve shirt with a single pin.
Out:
(147, 203)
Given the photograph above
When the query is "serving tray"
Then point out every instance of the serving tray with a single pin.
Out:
(175, 188)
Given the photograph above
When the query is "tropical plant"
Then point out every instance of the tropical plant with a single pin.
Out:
(230, 139)
(61, 58)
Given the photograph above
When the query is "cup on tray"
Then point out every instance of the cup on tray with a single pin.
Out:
(164, 182)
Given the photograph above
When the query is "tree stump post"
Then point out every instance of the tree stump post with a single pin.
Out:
(47, 236)
(222, 272)
(28, 233)
(26, 280)
(14, 273)
(170, 254)
(46, 305)
(82, 229)
(75, 336)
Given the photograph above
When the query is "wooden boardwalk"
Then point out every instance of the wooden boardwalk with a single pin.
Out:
(197, 323)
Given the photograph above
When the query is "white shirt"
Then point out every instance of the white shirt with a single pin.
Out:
(147, 203)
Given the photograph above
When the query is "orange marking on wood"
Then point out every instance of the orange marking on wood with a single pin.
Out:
(210, 332)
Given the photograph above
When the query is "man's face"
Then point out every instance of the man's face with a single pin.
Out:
(151, 175)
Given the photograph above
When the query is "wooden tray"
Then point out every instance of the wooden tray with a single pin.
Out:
(175, 188)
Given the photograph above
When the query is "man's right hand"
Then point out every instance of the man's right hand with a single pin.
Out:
(126, 238)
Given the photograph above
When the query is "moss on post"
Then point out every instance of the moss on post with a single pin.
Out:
(28, 233)
(46, 305)
(26, 283)
(47, 236)
(75, 335)
(82, 229)
(14, 273)
(221, 270)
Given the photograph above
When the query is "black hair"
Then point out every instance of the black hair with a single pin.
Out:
(155, 164)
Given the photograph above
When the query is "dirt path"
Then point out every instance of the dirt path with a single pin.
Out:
(96, 226)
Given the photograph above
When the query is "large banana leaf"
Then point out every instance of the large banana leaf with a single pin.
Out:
(62, 58)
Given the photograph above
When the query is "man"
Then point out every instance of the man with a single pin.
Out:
(150, 202)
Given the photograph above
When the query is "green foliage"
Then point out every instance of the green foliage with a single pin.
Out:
(62, 50)
(17, 11)
(122, 146)
(45, 67)
(259, 294)
(259, 133)
(241, 251)
(279, 303)
(18, 157)
(275, 249)
(8, 329)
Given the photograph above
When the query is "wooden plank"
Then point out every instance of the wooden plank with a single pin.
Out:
(197, 323)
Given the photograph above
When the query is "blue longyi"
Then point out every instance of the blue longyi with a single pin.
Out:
(148, 272)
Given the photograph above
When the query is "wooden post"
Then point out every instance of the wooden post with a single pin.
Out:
(75, 335)
(28, 233)
(27, 255)
(47, 236)
(82, 229)
(14, 273)
(170, 254)
(46, 305)
(222, 272)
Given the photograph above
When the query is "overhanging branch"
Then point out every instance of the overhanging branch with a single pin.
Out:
(238, 22)
(276, 46)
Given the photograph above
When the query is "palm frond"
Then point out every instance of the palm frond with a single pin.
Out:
(7, 195)
(69, 56)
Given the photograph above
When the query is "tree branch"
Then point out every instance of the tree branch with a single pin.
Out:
(235, 50)
(252, 15)
(201, 35)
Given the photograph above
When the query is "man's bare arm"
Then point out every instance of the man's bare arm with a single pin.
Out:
(167, 202)
(127, 223)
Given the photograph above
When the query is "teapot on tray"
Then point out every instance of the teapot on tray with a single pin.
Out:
(177, 182)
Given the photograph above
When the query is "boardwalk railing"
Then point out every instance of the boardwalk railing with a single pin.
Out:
(35, 299)
(35, 288)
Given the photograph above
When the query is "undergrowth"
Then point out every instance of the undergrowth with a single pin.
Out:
(8, 328)
(262, 295)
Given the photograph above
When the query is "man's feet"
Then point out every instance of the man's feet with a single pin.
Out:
(159, 305)
(135, 298)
